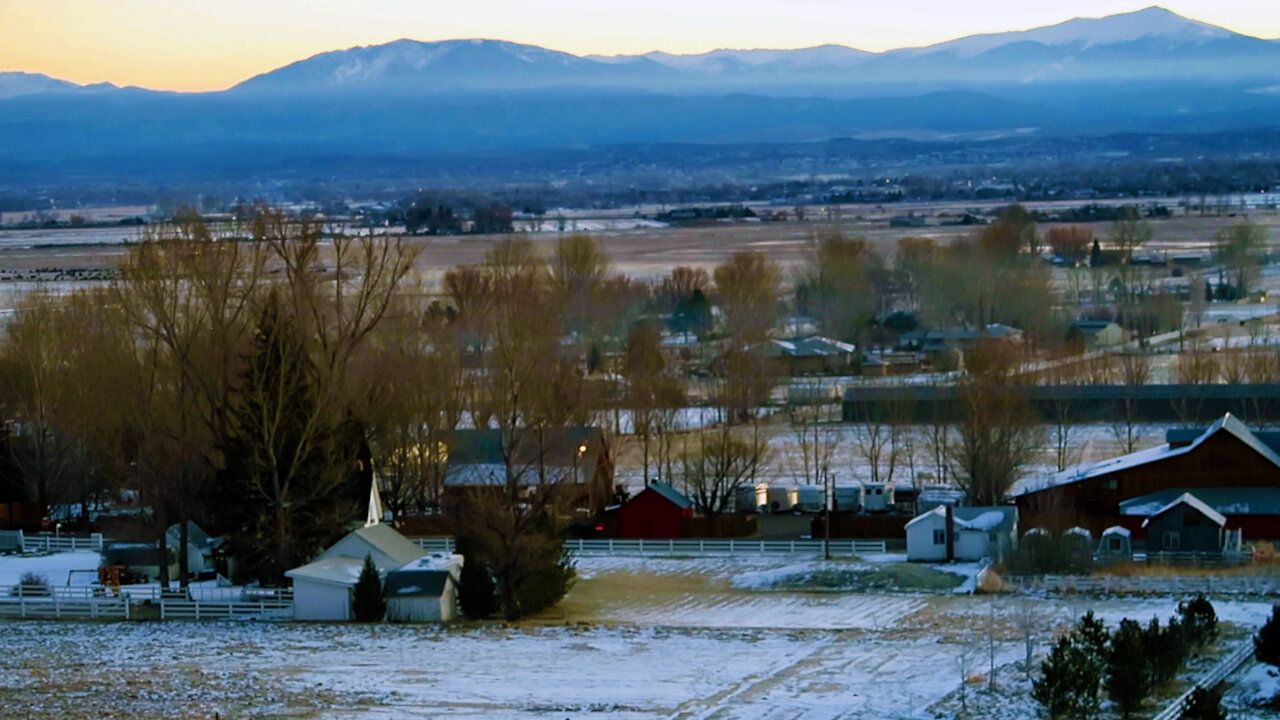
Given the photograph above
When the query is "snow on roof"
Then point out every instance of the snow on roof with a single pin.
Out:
(1227, 423)
(436, 561)
(1083, 532)
(1193, 501)
(983, 519)
(331, 571)
(384, 539)
(989, 520)
(671, 494)
(1116, 530)
(1226, 500)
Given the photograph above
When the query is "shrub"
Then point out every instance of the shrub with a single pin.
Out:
(545, 586)
(1199, 621)
(367, 604)
(477, 593)
(1128, 677)
(32, 585)
(1266, 644)
(1204, 704)
(1166, 650)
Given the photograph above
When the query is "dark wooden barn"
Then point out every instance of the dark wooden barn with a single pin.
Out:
(657, 512)
(1225, 455)
(1185, 525)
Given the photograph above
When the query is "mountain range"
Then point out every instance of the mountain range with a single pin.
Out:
(1146, 70)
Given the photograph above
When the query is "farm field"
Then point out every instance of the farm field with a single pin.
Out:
(636, 638)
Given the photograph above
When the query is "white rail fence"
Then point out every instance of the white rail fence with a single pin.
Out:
(1225, 667)
(1150, 584)
(45, 542)
(703, 547)
(140, 603)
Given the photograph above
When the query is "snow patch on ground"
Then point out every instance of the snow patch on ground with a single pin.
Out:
(55, 568)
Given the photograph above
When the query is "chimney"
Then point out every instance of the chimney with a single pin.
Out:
(951, 534)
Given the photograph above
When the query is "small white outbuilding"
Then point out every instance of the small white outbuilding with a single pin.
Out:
(322, 588)
(976, 533)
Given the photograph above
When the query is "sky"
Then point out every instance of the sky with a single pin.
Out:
(194, 45)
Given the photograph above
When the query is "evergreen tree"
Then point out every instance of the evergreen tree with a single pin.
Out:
(283, 494)
(1128, 678)
(1091, 635)
(477, 594)
(1266, 644)
(1068, 686)
(1199, 621)
(1204, 704)
(367, 604)
(1095, 255)
(1165, 651)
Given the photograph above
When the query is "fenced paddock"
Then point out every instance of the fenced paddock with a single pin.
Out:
(1248, 585)
(98, 603)
(700, 547)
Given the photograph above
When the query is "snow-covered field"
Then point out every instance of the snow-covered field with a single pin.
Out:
(636, 638)
(56, 568)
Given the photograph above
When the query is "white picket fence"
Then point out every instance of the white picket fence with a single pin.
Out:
(1225, 667)
(45, 542)
(1150, 584)
(699, 547)
(95, 602)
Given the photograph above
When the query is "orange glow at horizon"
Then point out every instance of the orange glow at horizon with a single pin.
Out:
(195, 45)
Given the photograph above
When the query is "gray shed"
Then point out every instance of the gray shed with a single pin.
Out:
(1185, 525)
(425, 590)
(11, 542)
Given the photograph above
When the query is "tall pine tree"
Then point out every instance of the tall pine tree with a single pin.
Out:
(283, 495)
(1128, 677)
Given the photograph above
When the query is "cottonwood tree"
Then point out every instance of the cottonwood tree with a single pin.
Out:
(998, 432)
(516, 527)
(747, 288)
(1070, 242)
(836, 286)
(718, 462)
(1126, 235)
(1240, 248)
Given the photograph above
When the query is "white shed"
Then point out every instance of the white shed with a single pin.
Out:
(977, 532)
(322, 588)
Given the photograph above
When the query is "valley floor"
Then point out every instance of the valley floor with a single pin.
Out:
(636, 638)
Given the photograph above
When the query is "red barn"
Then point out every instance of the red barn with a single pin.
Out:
(1235, 468)
(657, 512)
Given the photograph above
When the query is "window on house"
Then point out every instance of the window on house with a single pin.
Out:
(1171, 540)
(939, 537)
(1109, 484)
(1115, 544)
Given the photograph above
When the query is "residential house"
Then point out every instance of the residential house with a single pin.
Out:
(575, 458)
(942, 345)
(1098, 333)
(815, 355)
